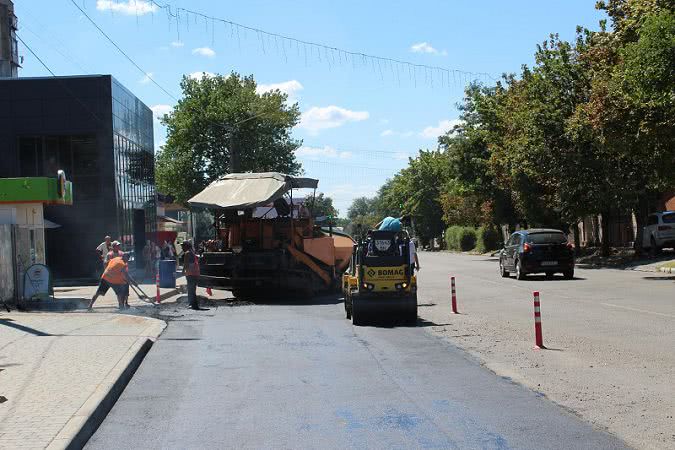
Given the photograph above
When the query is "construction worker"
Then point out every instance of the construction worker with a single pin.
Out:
(115, 276)
(191, 272)
(114, 253)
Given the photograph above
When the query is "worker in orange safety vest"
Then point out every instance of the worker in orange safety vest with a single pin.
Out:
(115, 276)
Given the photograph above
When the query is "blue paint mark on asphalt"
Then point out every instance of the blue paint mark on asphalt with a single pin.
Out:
(493, 441)
(351, 422)
(397, 420)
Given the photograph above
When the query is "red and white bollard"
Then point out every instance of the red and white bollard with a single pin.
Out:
(538, 337)
(454, 295)
(158, 299)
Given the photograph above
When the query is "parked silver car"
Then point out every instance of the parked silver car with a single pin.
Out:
(659, 231)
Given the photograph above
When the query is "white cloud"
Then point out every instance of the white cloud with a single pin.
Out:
(160, 110)
(316, 119)
(425, 47)
(130, 7)
(432, 132)
(146, 78)
(204, 51)
(321, 152)
(200, 75)
(177, 44)
(291, 87)
(404, 134)
(384, 121)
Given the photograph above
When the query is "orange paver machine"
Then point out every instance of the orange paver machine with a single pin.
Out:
(266, 241)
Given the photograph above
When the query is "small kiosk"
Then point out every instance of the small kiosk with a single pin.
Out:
(22, 232)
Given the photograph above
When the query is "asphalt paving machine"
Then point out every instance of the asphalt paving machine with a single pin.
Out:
(380, 283)
(266, 241)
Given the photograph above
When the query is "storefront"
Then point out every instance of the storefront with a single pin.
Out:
(23, 226)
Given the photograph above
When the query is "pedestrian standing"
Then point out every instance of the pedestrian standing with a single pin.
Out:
(191, 272)
(147, 259)
(102, 250)
(115, 276)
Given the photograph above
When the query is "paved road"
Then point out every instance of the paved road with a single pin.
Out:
(611, 335)
(300, 376)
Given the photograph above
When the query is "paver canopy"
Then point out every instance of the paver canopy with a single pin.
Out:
(248, 190)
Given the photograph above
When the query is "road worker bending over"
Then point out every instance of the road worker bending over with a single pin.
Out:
(115, 276)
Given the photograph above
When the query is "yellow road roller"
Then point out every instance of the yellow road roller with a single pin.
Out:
(380, 284)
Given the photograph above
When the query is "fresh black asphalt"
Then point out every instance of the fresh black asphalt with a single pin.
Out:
(299, 376)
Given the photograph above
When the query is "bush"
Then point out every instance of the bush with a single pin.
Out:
(460, 238)
(488, 239)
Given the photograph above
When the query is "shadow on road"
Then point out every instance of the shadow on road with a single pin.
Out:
(552, 279)
(423, 323)
(276, 299)
(10, 323)
(657, 278)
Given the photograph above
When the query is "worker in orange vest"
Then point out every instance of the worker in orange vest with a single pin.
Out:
(191, 271)
(115, 276)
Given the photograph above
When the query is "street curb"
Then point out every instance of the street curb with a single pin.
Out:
(85, 422)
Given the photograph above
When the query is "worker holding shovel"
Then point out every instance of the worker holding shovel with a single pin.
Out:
(115, 276)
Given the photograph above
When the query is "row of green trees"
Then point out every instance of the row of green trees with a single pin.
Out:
(589, 129)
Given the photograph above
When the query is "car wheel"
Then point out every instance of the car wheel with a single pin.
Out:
(412, 314)
(569, 274)
(348, 307)
(654, 249)
(502, 270)
(520, 275)
(357, 313)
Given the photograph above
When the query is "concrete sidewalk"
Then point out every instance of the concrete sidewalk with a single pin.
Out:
(61, 373)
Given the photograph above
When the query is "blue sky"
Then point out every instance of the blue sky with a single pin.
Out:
(360, 120)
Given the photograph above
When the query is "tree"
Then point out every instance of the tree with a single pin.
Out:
(416, 190)
(630, 111)
(361, 206)
(322, 206)
(215, 116)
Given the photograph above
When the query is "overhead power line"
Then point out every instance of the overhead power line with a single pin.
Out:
(332, 55)
(144, 72)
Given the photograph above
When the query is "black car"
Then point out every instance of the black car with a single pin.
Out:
(537, 251)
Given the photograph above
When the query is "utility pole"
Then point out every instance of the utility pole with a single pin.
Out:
(9, 49)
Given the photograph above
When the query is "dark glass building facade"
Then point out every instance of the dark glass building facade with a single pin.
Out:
(101, 135)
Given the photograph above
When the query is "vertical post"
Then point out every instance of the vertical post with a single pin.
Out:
(454, 295)
(538, 336)
(158, 298)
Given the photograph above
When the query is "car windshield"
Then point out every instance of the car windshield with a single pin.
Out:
(668, 218)
(546, 238)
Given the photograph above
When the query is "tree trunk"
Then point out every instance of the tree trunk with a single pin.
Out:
(577, 238)
(605, 245)
(640, 215)
(596, 231)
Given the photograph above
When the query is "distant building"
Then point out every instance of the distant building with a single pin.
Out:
(101, 135)
(9, 49)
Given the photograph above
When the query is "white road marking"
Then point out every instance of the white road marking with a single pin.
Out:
(638, 310)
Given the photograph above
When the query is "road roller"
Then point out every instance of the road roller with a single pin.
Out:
(380, 285)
